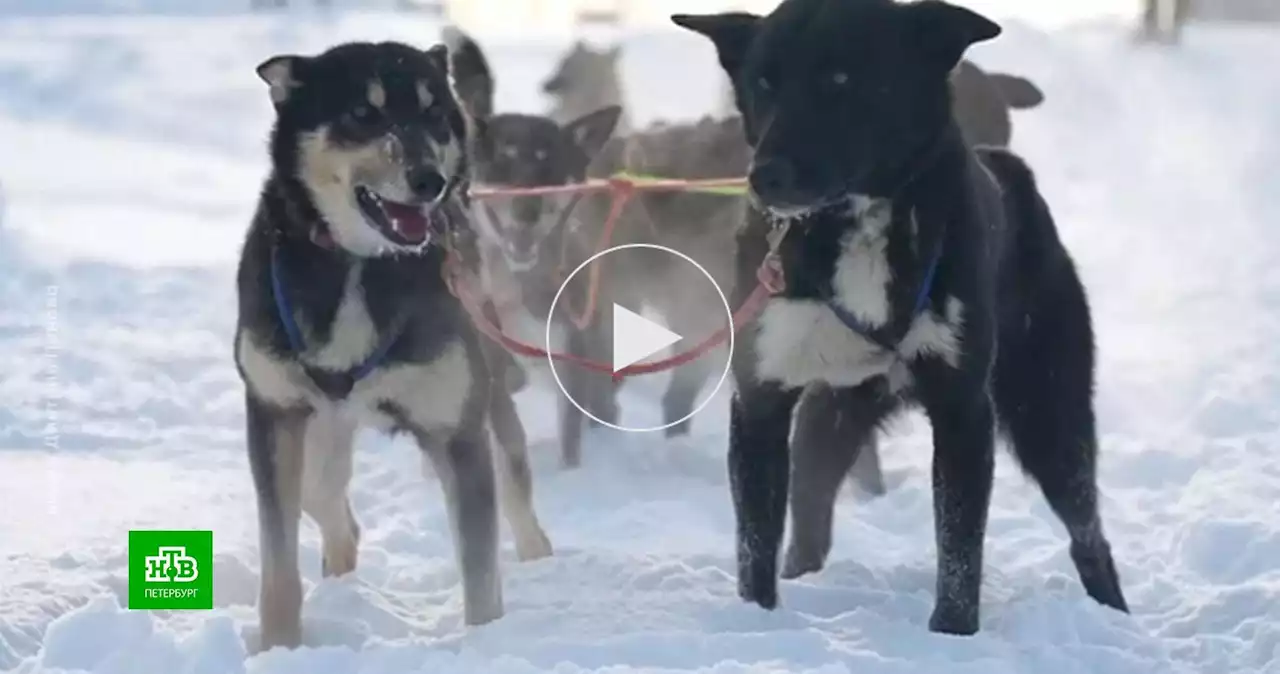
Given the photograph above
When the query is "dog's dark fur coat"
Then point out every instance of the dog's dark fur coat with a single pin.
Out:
(847, 109)
(367, 177)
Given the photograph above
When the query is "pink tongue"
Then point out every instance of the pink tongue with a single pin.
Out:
(407, 220)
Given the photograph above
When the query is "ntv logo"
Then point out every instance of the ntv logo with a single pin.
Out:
(171, 565)
(170, 569)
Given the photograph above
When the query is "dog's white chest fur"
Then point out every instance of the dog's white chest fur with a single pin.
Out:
(803, 341)
(431, 394)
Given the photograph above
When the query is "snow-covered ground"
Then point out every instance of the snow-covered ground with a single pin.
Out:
(130, 152)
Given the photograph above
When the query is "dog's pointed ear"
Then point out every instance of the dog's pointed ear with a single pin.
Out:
(1019, 93)
(730, 32)
(553, 84)
(472, 78)
(591, 131)
(452, 36)
(438, 54)
(281, 75)
(945, 31)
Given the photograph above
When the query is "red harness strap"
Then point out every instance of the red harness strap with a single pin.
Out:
(622, 188)
(768, 275)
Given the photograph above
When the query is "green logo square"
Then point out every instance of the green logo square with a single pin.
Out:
(170, 569)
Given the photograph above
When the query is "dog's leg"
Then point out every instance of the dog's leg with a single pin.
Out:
(759, 469)
(516, 479)
(275, 440)
(588, 388)
(326, 476)
(832, 428)
(506, 370)
(576, 382)
(604, 400)
(607, 400)
(464, 465)
(603, 396)
(457, 444)
(866, 472)
(509, 374)
(1044, 396)
(695, 312)
(513, 466)
(961, 415)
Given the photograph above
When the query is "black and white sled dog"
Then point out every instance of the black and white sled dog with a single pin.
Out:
(916, 270)
(345, 318)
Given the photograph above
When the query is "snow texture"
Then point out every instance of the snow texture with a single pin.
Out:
(132, 152)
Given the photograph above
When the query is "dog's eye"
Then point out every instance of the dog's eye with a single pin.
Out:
(362, 114)
(839, 78)
(764, 85)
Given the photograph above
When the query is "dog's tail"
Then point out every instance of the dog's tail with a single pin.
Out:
(1018, 92)
(1033, 235)
(472, 77)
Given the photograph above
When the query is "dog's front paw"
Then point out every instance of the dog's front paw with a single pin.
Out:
(800, 561)
(677, 430)
(535, 546)
(954, 619)
(759, 591)
(288, 637)
(340, 554)
(338, 563)
(482, 614)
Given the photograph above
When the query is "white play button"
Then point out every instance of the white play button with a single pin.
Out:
(636, 337)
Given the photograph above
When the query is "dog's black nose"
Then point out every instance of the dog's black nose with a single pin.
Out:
(774, 182)
(425, 182)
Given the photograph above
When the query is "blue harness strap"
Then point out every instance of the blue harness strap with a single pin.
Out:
(336, 385)
(865, 331)
(284, 310)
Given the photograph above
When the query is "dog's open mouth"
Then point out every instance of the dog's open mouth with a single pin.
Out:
(401, 223)
(522, 260)
(792, 212)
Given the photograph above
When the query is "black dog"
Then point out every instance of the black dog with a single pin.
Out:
(345, 318)
(907, 259)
